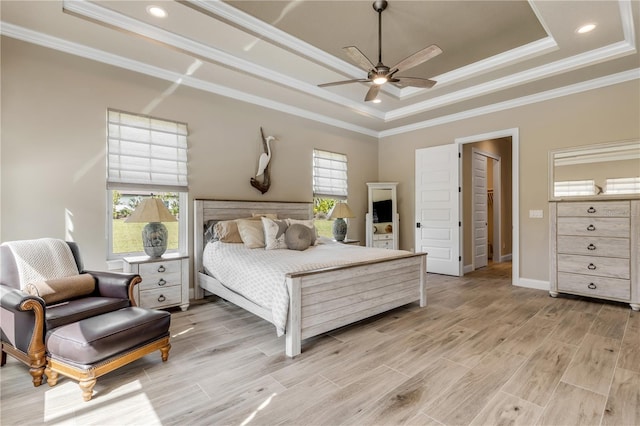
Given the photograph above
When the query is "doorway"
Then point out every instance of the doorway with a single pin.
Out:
(439, 208)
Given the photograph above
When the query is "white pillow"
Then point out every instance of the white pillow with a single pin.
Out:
(251, 232)
(274, 234)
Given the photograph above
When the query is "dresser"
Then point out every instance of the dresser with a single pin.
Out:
(595, 249)
(165, 281)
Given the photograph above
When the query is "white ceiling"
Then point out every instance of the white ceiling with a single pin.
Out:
(497, 54)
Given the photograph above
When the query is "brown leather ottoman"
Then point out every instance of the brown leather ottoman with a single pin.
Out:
(90, 348)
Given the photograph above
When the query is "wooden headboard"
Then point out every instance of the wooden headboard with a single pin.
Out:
(206, 210)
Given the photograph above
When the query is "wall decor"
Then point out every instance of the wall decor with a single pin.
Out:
(262, 180)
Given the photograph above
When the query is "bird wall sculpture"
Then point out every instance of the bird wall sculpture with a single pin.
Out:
(262, 180)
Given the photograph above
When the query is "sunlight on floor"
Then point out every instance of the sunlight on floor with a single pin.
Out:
(260, 407)
(104, 405)
(182, 332)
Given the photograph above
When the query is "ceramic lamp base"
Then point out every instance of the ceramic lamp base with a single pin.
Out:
(339, 229)
(154, 239)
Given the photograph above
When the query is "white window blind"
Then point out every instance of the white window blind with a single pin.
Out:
(146, 152)
(574, 187)
(623, 185)
(329, 174)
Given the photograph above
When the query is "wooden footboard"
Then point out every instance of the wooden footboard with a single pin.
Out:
(326, 299)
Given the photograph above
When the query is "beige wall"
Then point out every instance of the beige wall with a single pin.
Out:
(595, 116)
(53, 146)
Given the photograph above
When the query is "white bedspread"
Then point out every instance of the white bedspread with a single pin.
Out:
(260, 275)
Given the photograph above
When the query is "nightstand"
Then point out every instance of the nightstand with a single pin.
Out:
(348, 241)
(165, 280)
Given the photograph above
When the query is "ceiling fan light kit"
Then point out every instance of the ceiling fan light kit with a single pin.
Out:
(381, 74)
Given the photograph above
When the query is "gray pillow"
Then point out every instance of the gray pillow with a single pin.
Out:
(298, 237)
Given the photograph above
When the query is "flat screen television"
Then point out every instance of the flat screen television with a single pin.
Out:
(382, 211)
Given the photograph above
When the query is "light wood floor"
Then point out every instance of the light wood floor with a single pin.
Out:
(482, 353)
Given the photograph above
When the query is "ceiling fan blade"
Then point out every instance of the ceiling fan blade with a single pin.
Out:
(358, 57)
(416, 59)
(414, 82)
(372, 93)
(338, 83)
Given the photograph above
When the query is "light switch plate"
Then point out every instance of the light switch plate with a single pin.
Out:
(536, 214)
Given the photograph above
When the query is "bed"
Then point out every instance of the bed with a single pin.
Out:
(322, 298)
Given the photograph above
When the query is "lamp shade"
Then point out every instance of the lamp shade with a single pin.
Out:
(341, 210)
(151, 210)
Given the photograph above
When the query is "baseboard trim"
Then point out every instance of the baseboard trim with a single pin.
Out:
(506, 258)
(467, 269)
(535, 284)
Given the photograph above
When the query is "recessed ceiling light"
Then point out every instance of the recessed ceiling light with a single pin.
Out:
(156, 11)
(376, 101)
(586, 28)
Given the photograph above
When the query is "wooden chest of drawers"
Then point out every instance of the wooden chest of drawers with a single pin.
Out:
(595, 249)
(165, 281)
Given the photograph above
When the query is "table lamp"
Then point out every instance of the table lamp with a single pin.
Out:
(339, 212)
(154, 235)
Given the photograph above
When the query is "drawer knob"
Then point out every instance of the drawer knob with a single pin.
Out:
(161, 298)
(591, 228)
(591, 247)
(591, 210)
(161, 282)
(591, 267)
(161, 268)
(592, 286)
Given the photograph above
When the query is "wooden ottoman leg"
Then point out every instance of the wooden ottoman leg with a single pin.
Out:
(87, 387)
(52, 376)
(164, 351)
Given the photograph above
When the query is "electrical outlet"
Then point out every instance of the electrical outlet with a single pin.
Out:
(536, 214)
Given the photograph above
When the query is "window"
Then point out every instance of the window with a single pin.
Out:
(623, 185)
(329, 185)
(574, 188)
(146, 157)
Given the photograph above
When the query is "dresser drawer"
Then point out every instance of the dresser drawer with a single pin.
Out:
(595, 209)
(594, 286)
(385, 244)
(383, 236)
(160, 297)
(594, 265)
(594, 227)
(594, 246)
(160, 274)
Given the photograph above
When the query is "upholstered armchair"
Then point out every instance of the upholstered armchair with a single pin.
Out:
(29, 312)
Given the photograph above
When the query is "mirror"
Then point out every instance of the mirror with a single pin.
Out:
(595, 171)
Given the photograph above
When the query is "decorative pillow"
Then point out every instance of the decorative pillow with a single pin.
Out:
(251, 232)
(309, 224)
(298, 237)
(274, 232)
(209, 233)
(227, 231)
(267, 215)
(60, 289)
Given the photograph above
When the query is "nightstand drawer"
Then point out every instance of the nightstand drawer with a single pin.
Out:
(594, 246)
(594, 265)
(594, 286)
(160, 297)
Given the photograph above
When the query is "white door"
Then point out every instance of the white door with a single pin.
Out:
(438, 208)
(479, 211)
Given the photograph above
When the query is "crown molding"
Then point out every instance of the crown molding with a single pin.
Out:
(40, 39)
(572, 89)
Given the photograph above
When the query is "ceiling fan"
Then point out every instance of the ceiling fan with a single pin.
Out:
(381, 74)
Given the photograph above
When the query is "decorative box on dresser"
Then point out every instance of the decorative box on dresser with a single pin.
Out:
(595, 249)
(165, 280)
